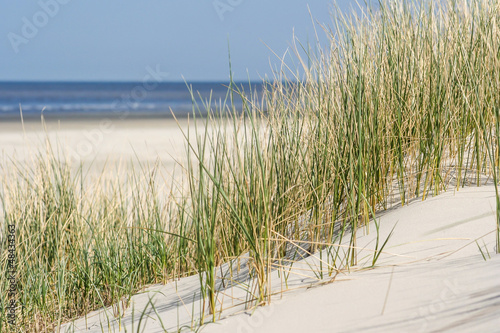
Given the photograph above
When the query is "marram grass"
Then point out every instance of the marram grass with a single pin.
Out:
(404, 103)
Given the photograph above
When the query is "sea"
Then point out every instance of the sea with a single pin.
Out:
(112, 99)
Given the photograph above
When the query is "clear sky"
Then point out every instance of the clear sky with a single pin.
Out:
(108, 40)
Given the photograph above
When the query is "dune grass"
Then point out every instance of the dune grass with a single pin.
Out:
(404, 103)
(81, 246)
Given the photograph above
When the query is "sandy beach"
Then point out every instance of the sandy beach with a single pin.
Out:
(97, 141)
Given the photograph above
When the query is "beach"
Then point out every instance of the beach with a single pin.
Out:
(97, 140)
(354, 189)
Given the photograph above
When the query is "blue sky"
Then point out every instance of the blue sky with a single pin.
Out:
(95, 40)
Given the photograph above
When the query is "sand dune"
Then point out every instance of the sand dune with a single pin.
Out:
(431, 277)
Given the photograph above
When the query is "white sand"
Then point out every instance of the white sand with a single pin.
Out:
(431, 276)
(440, 283)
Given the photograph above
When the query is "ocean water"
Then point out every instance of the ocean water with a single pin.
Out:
(90, 99)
